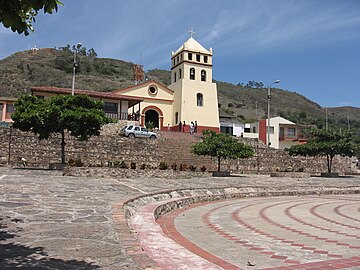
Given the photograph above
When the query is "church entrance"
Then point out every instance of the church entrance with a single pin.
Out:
(152, 116)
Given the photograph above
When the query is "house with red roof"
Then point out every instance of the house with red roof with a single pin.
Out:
(115, 106)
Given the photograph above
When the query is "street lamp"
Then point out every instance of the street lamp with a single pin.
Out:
(268, 114)
(74, 68)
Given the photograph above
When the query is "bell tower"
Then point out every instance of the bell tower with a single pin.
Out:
(195, 95)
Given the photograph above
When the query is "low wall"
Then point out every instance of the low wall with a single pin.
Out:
(129, 173)
(97, 151)
(171, 147)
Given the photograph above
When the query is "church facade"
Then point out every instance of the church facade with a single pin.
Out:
(191, 96)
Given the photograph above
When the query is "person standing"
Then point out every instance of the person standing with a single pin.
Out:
(183, 126)
(180, 126)
(192, 127)
(195, 127)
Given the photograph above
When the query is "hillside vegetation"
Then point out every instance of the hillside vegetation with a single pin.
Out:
(53, 67)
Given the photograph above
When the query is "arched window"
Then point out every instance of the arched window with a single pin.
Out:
(174, 76)
(192, 73)
(203, 75)
(180, 73)
(199, 100)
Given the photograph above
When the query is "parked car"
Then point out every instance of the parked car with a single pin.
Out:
(137, 132)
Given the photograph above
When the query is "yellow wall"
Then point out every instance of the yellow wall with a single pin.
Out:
(185, 96)
(163, 100)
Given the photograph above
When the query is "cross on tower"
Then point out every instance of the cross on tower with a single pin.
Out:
(191, 31)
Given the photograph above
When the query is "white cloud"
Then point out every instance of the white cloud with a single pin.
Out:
(259, 25)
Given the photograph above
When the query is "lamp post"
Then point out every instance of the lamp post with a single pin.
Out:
(268, 114)
(74, 68)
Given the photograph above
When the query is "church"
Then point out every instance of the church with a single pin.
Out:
(191, 96)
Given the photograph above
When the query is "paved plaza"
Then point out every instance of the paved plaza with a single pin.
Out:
(261, 233)
(49, 221)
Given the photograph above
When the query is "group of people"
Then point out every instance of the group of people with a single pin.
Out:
(193, 127)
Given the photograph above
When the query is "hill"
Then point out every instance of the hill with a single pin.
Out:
(53, 67)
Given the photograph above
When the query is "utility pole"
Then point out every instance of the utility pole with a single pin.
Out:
(268, 112)
(78, 46)
(326, 120)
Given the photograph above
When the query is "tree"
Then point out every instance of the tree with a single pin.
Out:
(81, 116)
(20, 14)
(92, 53)
(221, 146)
(326, 143)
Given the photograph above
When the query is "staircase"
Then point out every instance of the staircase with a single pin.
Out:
(174, 147)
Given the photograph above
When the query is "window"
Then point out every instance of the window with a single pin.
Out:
(180, 73)
(192, 73)
(181, 57)
(227, 130)
(144, 129)
(205, 59)
(291, 132)
(203, 75)
(137, 129)
(254, 130)
(198, 57)
(190, 56)
(199, 100)
(176, 117)
(174, 76)
(271, 131)
(110, 107)
(152, 90)
(177, 59)
(10, 108)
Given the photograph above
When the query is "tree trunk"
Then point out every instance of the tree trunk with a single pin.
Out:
(63, 147)
(329, 162)
(219, 163)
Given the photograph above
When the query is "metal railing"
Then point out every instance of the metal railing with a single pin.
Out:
(123, 116)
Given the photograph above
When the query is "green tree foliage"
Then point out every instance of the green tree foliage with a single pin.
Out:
(81, 116)
(92, 53)
(252, 84)
(326, 143)
(84, 60)
(19, 15)
(221, 146)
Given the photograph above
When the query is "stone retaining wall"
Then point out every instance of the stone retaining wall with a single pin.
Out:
(171, 147)
(98, 151)
(129, 173)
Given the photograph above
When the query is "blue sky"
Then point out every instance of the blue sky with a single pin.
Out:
(312, 46)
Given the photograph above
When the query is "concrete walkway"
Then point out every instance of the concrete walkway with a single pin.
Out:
(48, 221)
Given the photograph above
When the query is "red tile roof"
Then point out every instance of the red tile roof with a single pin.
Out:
(67, 91)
